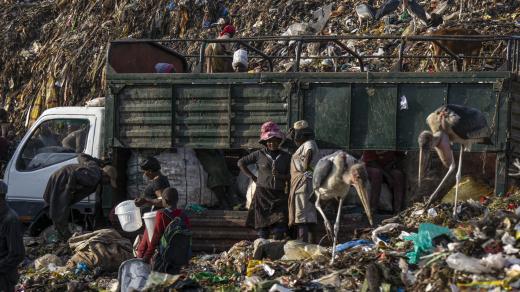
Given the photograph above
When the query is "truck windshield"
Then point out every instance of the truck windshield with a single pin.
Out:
(52, 142)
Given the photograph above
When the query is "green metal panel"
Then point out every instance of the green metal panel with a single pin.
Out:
(479, 96)
(373, 116)
(327, 109)
(226, 115)
(144, 116)
(254, 104)
(348, 110)
(422, 99)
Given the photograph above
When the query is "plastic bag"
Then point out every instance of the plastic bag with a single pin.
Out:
(157, 280)
(461, 262)
(469, 188)
(353, 243)
(133, 275)
(423, 240)
(296, 250)
(45, 261)
(383, 229)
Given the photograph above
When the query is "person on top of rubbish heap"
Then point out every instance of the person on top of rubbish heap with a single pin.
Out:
(302, 212)
(170, 197)
(71, 184)
(157, 182)
(12, 251)
(382, 166)
(269, 211)
(227, 31)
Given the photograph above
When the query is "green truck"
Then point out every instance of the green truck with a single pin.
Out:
(355, 111)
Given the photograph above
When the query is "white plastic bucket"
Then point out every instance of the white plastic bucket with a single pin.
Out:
(129, 216)
(149, 222)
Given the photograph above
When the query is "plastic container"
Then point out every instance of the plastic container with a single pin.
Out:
(129, 216)
(149, 222)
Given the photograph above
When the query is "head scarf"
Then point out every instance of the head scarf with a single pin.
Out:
(228, 29)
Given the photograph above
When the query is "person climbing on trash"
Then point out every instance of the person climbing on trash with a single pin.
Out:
(12, 251)
(71, 184)
(302, 212)
(269, 211)
(171, 237)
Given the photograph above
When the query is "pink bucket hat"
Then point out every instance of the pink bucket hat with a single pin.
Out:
(270, 130)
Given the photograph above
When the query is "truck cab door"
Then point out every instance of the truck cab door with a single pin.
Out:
(55, 141)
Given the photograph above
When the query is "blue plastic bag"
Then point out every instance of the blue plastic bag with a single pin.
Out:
(353, 243)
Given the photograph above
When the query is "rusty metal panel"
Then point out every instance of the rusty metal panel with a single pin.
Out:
(327, 109)
(144, 116)
(373, 116)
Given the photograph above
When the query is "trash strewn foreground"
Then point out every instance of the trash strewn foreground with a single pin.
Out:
(418, 250)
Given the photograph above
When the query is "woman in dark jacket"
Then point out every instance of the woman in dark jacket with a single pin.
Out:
(269, 211)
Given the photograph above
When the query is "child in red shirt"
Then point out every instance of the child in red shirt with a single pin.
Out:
(170, 198)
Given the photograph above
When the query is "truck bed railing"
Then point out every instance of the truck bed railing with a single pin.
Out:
(511, 57)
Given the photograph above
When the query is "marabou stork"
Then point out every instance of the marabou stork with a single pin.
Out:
(415, 10)
(451, 124)
(365, 12)
(332, 178)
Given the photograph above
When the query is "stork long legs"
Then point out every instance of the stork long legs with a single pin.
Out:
(457, 178)
(336, 230)
(325, 220)
(450, 170)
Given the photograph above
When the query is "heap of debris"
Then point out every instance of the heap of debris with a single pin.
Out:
(53, 51)
(418, 250)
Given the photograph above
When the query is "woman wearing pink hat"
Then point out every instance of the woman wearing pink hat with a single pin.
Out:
(269, 211)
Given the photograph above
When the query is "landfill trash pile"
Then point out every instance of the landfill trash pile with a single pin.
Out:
(53, 52)
(418, 250)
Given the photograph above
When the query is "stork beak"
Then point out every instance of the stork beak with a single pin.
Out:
(362, 187)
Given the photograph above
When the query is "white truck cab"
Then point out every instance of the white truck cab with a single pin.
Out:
(54, 140)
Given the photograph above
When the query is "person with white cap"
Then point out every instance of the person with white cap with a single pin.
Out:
(12, 251)
(71, 184)
(302, 212)
(268, 212)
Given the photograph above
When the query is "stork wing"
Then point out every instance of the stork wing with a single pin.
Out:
(388, 7)
(321, 172)
(417, 10)
(471, 123)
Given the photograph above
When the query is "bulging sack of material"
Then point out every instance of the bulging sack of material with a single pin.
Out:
(240, 57)
(184, 172)
(469, 188)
